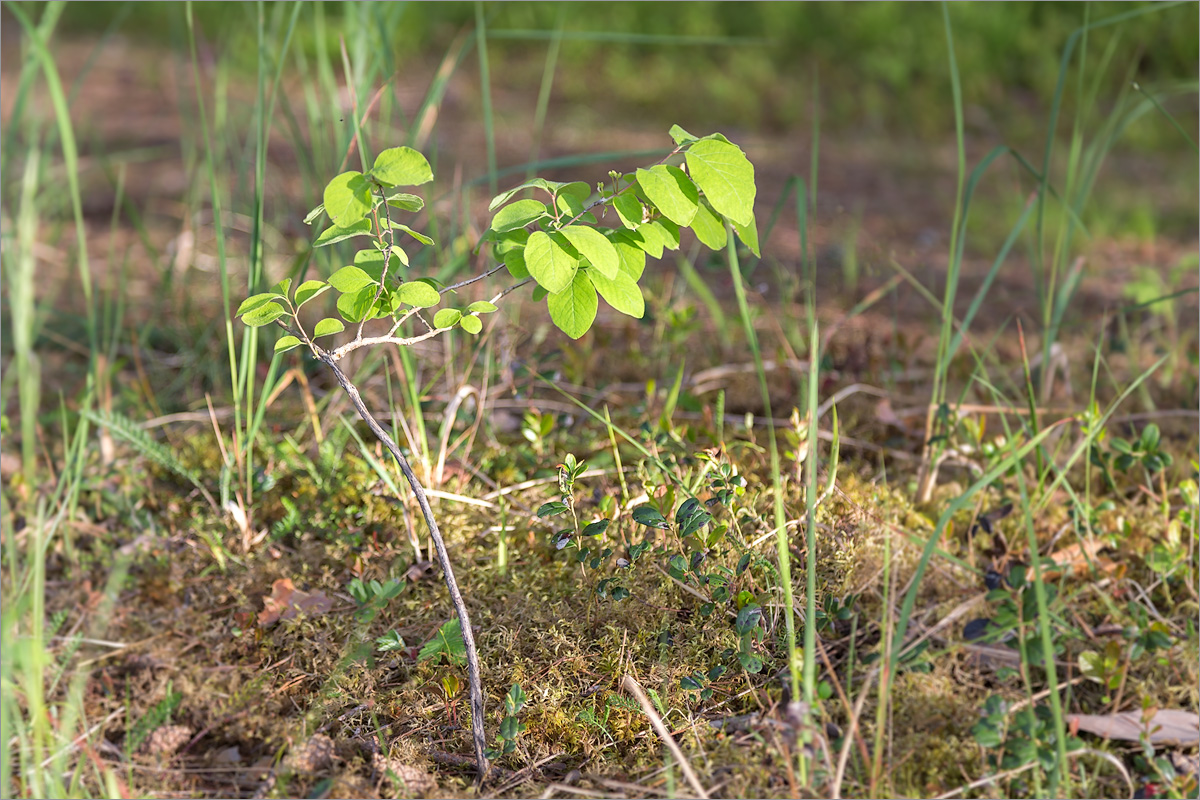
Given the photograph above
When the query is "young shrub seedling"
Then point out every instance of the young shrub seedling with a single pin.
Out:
(558, 242)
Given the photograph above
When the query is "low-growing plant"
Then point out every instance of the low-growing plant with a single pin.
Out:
(573, 244)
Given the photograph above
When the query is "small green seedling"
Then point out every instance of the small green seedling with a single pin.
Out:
(570, 243)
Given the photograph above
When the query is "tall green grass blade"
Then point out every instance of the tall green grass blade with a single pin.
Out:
(485, 89)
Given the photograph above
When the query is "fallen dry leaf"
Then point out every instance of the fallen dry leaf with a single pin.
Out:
(288, 602)
(1079, 558)
(1166, 726)
(411, 779)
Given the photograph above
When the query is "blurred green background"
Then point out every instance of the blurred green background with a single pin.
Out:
(880, 67)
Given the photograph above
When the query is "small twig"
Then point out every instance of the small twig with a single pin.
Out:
(631, 686)
(460, 607)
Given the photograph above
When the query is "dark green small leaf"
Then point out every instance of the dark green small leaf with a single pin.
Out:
(596, 528)
(650, 517)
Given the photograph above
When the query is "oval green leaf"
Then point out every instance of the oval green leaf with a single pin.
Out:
(471, 324)
(595, 248)
(337, 233)
(347, 198)
(633, 257)
(354, 306)
(327, 327)
(518, 215)
(254, 301)
(406, 202)
(401, 166)
(622, 293)
(447, 318)
(549, 263)
(709, 228)
(285, 343)
(264, 314)
(350, 279)
(726, 177)
(308, 290)
(420, 237)
(629, 209)
(574, 310)
(419, 294)
(672, 192)
(481, 307)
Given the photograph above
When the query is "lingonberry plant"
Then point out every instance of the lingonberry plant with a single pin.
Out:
(573, 243)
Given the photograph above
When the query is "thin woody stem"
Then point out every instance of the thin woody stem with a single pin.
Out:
(460, 607)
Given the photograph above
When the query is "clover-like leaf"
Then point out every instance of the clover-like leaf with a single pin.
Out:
(722, 171)
(549, 262)
(418, 294)
(401, 166)
(347, 198)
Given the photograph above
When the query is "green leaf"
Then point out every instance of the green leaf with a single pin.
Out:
(633, 257)
(406, 202)
(668, 232)
(254, 301)
(518, 215)
(650, 239)
(350, 279)
(629, 209)
(571, 207)
(370, 261)
(328, 326)
(726, 177)
(420, 237)
(622, 293)
(263, 314)
(679, 135)
(481, 307)
(535, 183)
(574, 309)
(578, 189)
(448, 641)
(335, 233)
(308, 290)
(671, 191)
(749, 235)
(549, 263)
(311, 216)
(514, 260)
(447, 318)
(285, 343)
(419, 294)
(401, 166)
(347, 198)
(594, 247)
(471, 324)
(282, 288)
(709, 228)
(354, 306)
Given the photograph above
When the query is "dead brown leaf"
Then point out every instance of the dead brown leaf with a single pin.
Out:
(287, 602)
(1166, 726)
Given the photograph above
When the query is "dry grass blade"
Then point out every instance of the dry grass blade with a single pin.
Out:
(630, 685)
